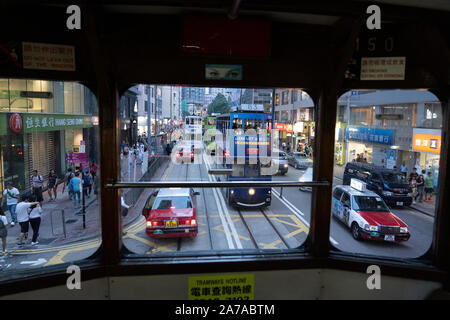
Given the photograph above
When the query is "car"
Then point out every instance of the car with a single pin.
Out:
(307, 176)
(299, 160)
(187, 152)
(281, 161)
(389, 184)
(171, 212)
(366, 214)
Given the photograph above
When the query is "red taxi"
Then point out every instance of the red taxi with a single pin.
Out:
(366, 214)
(171, 212)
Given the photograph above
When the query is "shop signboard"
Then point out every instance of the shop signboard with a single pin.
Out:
(370, 135)
(427, 140)
(77, 158)
(33, 122)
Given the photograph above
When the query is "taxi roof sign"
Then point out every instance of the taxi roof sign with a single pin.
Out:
(358, 185)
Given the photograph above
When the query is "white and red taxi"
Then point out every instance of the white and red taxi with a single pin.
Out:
(366, 214)
(171, 212)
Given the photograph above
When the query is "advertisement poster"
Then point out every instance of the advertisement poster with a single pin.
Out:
(391, 158)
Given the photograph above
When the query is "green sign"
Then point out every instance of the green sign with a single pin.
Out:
(33, 122)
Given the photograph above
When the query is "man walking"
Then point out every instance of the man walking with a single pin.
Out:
(75, 185)
(420, 183)
(69, 175)
(37, 182)
(12, 197)
(429, 187)
(23, 218)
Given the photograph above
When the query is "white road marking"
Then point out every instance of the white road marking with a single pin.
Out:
(35, 263)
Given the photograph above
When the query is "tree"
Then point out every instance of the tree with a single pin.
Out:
(219, 105)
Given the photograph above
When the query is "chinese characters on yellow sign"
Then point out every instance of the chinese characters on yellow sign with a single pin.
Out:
(45, 56)
(387, 68)
(222, 287)
(427, 140)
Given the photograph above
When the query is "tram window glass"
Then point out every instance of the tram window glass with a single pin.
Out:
(381, 137)
(237, 138)
(44, 140)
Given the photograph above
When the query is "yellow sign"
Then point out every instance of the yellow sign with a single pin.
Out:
(383, 68)
(222, 287)
(427, 143)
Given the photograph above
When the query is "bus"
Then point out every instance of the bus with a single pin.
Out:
(246, 150)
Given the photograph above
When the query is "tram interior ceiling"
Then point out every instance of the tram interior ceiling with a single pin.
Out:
(133, 110)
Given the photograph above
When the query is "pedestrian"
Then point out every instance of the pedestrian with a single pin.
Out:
(52, 186)
(429, 187)
(69, 175)
(3, 230)
(168, 149)
(413, 175)
(74, 184)
(87, 183)
(420, 183)
(23, 218)
(12, 197)
(37, 182)
(403, 169)
(93, 168)
(35, 222)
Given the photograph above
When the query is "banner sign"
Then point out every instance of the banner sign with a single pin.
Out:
(33, 122)
(427, 140)
(77, 158)
(377, 136)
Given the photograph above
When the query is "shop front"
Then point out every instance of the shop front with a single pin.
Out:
(31, 141)
(427, 144)
(371, 145)
(303, 135)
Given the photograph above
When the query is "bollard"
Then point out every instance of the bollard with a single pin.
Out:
(51, 222)
(84, 210)
(281, 192)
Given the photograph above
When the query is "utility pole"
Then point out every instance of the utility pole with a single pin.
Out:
(149, 118)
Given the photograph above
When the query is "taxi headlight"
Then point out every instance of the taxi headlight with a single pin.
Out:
(371, 228)
(251, 191)
(403, 229)
(285, 165)
(387, 193)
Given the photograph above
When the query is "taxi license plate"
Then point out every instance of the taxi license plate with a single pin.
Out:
(399, 203)
(389, 237)
(171, 223)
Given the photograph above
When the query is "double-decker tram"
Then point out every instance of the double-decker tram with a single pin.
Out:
(246, 149)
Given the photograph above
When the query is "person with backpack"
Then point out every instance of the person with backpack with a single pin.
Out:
(87, 183)
(12, 197)
(3, 230)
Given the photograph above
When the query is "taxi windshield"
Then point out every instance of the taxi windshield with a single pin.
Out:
(172, 203)
(366, 203)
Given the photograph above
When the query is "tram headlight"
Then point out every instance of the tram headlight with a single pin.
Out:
(251, 191)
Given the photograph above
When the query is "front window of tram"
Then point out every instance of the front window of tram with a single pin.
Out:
(49, 170)
(390, 141)
(172, 133)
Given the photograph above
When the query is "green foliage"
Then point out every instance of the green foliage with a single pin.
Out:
(219, 105)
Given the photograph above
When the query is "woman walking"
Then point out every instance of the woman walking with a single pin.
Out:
(52, 186)
(3, 230)
(35, 222)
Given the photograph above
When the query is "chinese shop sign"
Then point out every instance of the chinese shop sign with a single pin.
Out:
(378, 136)
(427, 140)
(44, 56)
(222, 287)
(52, 122)
(387, 68)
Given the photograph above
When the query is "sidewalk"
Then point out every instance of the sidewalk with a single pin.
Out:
(51, 231)
(427, 208)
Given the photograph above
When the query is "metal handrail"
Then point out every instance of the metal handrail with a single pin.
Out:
(218, 184)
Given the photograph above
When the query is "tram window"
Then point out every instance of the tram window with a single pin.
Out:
(252, 126)
(237, 126)
(237, 135)
(381, 136)
(49, 142)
